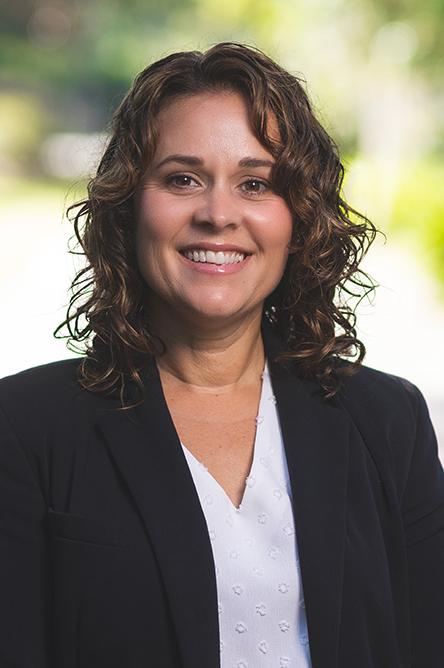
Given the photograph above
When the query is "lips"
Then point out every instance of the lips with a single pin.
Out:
(209, 256)
(213, 253)
(214, 263)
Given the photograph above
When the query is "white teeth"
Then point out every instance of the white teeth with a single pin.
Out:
(211, 257)
(215, 258)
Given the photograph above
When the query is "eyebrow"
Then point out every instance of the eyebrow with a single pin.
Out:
(194, 161)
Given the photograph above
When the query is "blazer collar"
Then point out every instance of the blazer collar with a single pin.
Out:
(145, 446)
(316, 434)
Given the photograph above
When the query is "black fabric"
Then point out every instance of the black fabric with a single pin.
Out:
(105, 559)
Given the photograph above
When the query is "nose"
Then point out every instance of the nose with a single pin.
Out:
(218, 208)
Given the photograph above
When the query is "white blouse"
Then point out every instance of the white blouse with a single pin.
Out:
(262, 619)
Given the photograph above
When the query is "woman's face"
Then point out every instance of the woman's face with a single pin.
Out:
(212, 237)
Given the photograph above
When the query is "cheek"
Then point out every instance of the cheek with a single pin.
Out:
(158, 217)
(278, 231)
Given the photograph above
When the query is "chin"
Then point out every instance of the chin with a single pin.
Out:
(214, 313)
(220, 312)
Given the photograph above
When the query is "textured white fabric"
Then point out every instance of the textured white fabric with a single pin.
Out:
(262, 618)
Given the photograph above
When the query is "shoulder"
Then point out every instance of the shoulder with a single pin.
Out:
(387, 409)
(33, 400)
(393, 419)
(381, 394)
(50, 382)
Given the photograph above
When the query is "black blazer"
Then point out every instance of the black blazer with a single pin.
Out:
(105, 556)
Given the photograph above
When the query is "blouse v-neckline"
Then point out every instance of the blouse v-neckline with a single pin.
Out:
(260, 596)
(249, 480)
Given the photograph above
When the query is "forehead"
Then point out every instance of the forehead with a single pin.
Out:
(203, 122)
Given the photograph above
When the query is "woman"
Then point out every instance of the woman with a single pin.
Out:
(215, 483)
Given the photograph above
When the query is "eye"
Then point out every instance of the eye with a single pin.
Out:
(181, 181)
(255, 186)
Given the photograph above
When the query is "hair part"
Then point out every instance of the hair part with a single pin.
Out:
(310, 308)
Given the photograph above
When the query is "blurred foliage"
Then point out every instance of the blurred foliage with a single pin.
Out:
(418, 211)
(95, 48)
(23, 121)
(65, 65)
(406, 200)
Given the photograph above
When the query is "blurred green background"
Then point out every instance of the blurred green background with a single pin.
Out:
(374, 74)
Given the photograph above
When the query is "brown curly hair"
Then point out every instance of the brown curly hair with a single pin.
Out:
(310, 308)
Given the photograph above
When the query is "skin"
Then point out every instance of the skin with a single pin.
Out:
(210, 323)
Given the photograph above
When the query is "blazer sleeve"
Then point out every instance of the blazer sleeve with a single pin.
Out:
(423, 517)
(24, 599)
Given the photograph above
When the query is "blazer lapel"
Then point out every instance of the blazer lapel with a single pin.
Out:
(144, 445)
(316, 439)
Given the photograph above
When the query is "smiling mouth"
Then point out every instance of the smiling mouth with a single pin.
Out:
(212, 257)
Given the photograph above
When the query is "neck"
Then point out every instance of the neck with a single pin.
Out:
(221, 358)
